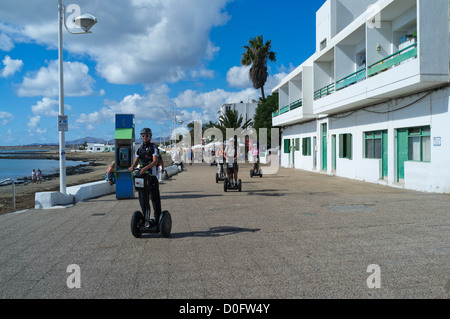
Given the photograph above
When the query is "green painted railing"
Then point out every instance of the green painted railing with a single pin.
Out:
(327, 90)
(284, 110)
(296, 104)
(394, 59)
(289, 107)
(351, 79)
(377, 67)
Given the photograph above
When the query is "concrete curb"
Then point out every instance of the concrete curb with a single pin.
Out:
(79, 193)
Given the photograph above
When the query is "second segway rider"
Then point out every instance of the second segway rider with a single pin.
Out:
(220, 159)
(231, 156)
(147, 157)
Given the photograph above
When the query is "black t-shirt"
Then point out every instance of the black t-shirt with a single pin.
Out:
(145, 154)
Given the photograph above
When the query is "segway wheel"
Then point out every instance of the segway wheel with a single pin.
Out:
(251, 173)
(225, 184)
(239, 184)
(136, 221)
(165, 224)
(217, 178)
(260, 173)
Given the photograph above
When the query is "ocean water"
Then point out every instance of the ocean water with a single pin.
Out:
(19, 168)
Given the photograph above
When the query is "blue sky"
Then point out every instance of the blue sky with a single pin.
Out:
(167, 52)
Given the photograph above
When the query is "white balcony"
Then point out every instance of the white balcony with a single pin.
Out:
(398, 56)
(295, 98)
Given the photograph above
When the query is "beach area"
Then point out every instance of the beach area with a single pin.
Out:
(94, 170)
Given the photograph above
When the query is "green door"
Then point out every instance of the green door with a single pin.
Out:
(333, 147)
(384, 154)
(324, 147)
(402, 152)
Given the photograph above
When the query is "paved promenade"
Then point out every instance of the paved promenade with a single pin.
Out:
(291, 235)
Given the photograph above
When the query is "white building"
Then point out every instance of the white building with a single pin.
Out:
(372, 103)
(246, 110)
(98, 148)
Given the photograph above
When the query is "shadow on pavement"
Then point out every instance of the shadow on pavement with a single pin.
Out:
(215, 232)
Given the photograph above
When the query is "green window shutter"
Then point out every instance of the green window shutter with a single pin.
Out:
(304, 147)
(308, 141)
(349, 146)
(287, 145)
(345, 146)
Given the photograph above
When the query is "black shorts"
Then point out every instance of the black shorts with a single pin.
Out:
(232, 169)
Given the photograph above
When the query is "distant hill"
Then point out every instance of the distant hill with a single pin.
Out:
(81, 141)
(88, 139)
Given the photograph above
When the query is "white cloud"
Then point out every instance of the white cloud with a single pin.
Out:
(11, 66)
(46, 107)
(77, 81)
(157, 105)
(33, 124)
(238, 77)
(6, 44)
(5, 118)
(134, 41)
(145, 107)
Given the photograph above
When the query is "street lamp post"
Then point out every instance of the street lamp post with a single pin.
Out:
(85, 22)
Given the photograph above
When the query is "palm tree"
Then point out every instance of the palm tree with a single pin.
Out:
(231, 119)
(256, 54)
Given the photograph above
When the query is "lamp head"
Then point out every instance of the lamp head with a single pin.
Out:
(85, 22)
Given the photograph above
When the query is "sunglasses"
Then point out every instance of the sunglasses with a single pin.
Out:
(145, 135)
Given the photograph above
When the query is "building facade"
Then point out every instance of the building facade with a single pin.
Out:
(246, 110)
(372, 103)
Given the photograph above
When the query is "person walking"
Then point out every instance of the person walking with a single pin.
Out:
(33, 176)
(39, 176)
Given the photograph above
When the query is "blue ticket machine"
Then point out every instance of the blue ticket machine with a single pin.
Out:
(124, 137)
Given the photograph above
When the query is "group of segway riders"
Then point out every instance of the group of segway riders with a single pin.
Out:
(144, 169)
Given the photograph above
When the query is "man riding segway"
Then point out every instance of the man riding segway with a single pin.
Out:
(231, 155)
(147, 157)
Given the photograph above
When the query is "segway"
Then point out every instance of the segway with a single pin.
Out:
(220, 175)
(232, 185)
(140, 221)
(256, 172)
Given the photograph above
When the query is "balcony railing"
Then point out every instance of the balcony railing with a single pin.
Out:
(373, 69)
(351, 79)
(290, 107)
(327, 90)
(392, 60)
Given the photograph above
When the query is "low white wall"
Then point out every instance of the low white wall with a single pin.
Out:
(45, 200)
(91, 190)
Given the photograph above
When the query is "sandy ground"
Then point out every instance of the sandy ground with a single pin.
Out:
(25, 193)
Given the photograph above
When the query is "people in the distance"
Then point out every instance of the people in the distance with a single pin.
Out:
(110, 175)
(255, 154)
(147, 157)
(220, 158)
(231, 155)
(33, 176)
(39, 176)
(160, 167)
